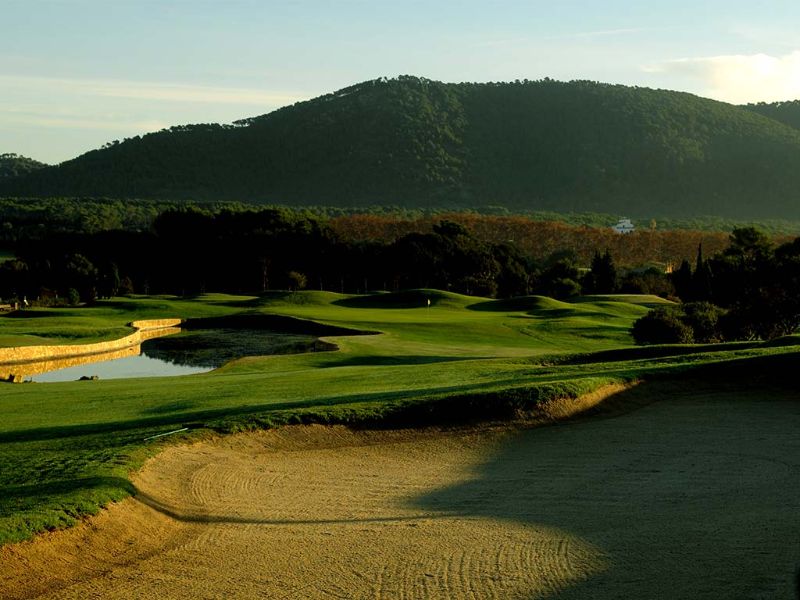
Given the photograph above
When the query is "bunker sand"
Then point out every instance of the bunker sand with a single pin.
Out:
(690, 496)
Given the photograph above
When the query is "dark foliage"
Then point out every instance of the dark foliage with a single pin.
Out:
(602, 276)
(191, 251)
(755, 289)
(682, 280)
(650, 281)
(662, 326)
(703, 318)
(785, 112)
(14, 165)
(696, 322)
(559, 280)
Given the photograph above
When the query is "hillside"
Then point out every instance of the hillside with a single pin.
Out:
(785, 112)
(14, 165)
(532, 145)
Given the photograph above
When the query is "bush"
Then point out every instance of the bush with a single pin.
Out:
(662, 326)
(564, 288)
(73, 297)
(704, 319)
(651, 281)
(297, 280)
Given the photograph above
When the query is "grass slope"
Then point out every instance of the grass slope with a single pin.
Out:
(66, 448)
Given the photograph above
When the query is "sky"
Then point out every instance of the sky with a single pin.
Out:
(75, 74)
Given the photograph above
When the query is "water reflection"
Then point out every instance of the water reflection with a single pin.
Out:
(212, 348)
(189, 352)
(137, 365)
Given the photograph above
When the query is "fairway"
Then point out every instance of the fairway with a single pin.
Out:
(694, 495)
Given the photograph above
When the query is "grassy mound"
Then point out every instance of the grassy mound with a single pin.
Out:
(520, 304)
(407, 299)
(648, 300)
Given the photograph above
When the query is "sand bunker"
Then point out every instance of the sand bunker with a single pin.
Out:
(681, 499)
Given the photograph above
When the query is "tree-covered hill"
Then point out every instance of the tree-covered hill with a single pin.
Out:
(14, 165)
(532, 145)
(785, 112)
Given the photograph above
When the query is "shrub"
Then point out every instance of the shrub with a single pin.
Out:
(704, 319)
(662, 326)
(73, 297)
(297, 280)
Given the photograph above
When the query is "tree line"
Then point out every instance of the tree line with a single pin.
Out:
(189, 251)
(748, 289)
(537, 235)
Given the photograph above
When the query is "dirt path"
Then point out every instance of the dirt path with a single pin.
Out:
(692, 498)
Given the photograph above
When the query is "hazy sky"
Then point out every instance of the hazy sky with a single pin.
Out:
(75, 74)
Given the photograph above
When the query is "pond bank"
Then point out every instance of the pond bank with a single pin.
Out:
(10, 358)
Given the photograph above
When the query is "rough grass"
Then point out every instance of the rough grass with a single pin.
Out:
(66, 448)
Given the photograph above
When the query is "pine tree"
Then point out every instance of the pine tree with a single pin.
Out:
(701, 279)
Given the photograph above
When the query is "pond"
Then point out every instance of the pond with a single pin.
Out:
(119, 368)
(184, 353)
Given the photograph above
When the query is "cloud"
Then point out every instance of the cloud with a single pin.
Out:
(601, 33)
(154, 91)
(56, 117)
(67, 122)
(502, 42)
(122, 107)
(773, 35)
(739, 79)
(587, 35)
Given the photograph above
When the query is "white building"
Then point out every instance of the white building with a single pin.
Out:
(623, 226)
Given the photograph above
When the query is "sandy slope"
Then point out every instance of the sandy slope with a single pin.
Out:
(684, 498)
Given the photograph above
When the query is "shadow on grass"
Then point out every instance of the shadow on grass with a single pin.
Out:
(33, 314)
(500, 398)
(13, 495)
(377, 361)
(170, 407)
(249, 303)
(273, 323)
(642, 353)
(519, 304)
(292, 411)
(132, 306)
(421, 298)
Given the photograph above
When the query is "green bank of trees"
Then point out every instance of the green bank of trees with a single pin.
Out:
(751, 290)
(14, 165)
(786, 112)
(191, 251)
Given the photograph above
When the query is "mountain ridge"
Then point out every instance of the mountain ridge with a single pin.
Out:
(575, 146)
